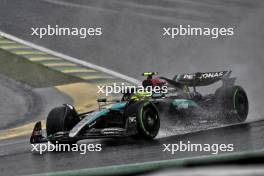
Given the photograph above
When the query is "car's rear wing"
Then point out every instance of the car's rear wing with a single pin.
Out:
(204, 78)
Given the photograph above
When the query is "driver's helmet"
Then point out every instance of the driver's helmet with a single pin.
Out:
(150, 81)
(140, 96)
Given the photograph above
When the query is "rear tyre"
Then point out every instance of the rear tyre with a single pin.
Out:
(234, 103)
(148, 122)
(61, 119)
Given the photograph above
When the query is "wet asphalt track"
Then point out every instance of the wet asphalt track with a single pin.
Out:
(132, 39)
(17, 100)
(16, 157)
(138, 26)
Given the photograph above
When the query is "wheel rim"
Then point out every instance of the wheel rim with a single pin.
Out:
(150, 121)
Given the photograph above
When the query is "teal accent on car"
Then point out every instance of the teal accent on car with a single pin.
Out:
(118, 106)
(178, 77)
(95, 115)
(181, 102)
(50, 137)
(99, 114)
(90, 118)
(157, 95)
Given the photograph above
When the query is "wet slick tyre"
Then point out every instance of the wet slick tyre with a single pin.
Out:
(148, 122)
(234, 103)
(61, 119)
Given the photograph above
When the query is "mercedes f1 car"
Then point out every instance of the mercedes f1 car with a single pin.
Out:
(137, 114)
(229, 102)
(139, 120)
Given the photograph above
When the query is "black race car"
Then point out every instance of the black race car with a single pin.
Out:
(229, 101)
(137, 119)
(137, 114)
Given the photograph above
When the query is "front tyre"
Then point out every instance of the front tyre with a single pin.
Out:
(147, 117)
(61, 119)
(148, 121)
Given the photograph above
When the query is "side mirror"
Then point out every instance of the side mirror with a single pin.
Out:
(101, 100)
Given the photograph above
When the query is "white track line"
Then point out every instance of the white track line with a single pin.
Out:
(71, 59)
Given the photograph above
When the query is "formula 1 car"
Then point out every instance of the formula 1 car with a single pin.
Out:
(138, 119)
(137, 114)
(229, 101)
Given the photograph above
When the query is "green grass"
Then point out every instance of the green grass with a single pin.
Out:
(31, 73)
